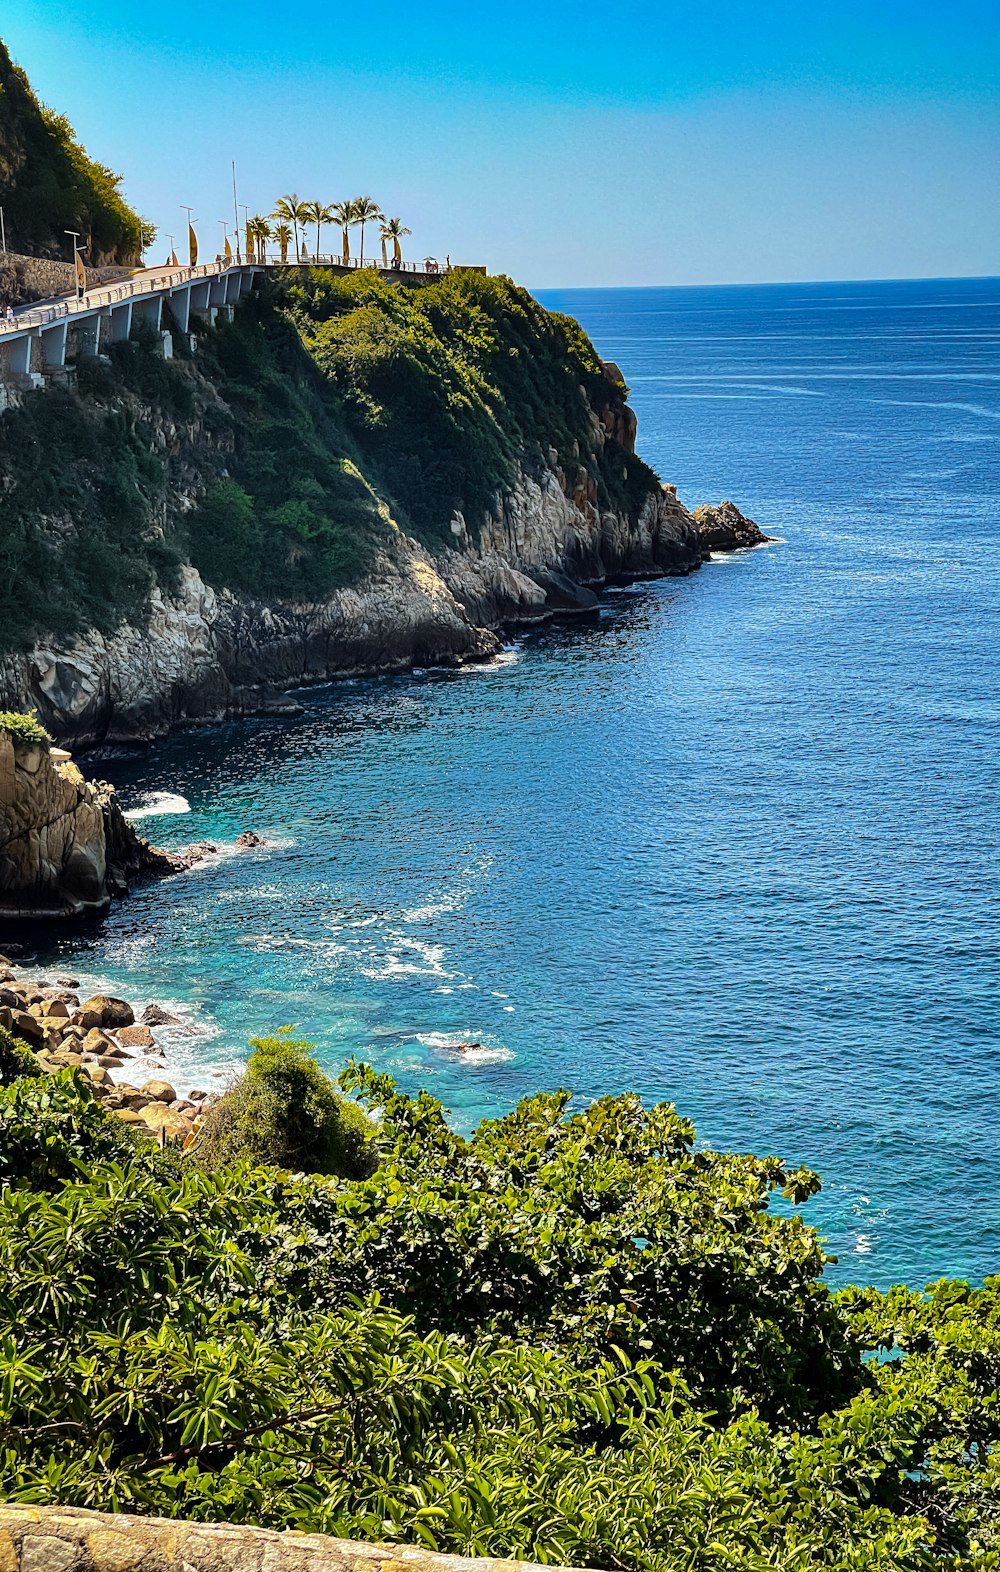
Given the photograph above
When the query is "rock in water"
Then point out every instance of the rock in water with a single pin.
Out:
(110, 1011)
(725, 528)
(250, 838)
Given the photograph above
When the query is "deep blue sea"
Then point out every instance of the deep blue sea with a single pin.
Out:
(734, 844)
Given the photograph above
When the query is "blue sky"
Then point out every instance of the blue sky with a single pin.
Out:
(566, 144)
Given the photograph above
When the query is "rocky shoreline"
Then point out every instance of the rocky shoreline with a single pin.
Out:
(98, 1037)
(206, 656)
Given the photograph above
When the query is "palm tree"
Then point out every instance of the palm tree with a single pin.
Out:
(282, 233)
(293, 212)
(342, 213)
(366, 211)
(393, 229)
(319, 214)
(260, 231)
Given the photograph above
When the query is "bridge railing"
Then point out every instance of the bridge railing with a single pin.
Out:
(160, 281)
(149, 283)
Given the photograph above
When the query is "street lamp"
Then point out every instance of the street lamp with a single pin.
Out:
(77, 264)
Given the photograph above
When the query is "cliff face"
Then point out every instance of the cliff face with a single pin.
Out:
(205, 655)
(401, 498)
(65, 847)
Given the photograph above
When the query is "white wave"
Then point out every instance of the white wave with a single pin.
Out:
(498, 663)
(465, 1046)
(154, 804)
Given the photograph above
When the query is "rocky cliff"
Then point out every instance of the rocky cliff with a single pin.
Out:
(401, 505)
(65, 847)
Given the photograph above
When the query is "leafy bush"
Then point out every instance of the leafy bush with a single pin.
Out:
(284, 1110)
(24, 730)
(572, 1338)
(16, 1059)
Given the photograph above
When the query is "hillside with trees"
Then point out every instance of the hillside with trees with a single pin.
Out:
(49, 184)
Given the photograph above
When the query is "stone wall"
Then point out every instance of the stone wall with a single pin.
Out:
(68, 1539)
(23, 279)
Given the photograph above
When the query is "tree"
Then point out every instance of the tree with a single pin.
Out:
(319, 214)
(293, 212)
(282, 233)
(342, 213)
(260, 231)
(393, 229)
(366, 211)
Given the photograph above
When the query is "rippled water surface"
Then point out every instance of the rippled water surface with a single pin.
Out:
(733, 844)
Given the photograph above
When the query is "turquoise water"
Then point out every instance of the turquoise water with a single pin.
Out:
(733, 844)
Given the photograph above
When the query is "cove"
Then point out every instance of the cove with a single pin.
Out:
(731, 843)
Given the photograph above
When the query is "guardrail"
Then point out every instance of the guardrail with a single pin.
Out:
(148, 283)
(158, 282)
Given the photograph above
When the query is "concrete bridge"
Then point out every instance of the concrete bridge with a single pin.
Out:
(36, 344)
(39, 341)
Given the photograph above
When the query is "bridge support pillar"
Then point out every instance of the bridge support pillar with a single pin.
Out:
(147, 312)
(86, 336)
(232, 287)
(54, 346)
(180, 308)
(117, 323)
(18, 352)
(200, 294)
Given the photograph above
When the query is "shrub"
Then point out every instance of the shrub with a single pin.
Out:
(24, 730)
(557, 1340)
(16, 1059)
(284, 1110)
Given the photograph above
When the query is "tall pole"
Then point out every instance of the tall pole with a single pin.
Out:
(75, 235)
(246, 220)
(225, 234)
(3, 233)
(188, 211)
(236, 214)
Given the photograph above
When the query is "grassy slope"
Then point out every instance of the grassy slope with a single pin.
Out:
(329, 405)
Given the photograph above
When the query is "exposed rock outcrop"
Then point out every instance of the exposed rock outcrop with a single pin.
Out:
(725, 528)
(207, 655)
(65, 846)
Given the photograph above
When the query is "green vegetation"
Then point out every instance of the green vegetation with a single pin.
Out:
(284, 1110)
(572, 1337)
(15, 1059)
(330, 409)
(24, 730)
(48, 184)
(448, 387)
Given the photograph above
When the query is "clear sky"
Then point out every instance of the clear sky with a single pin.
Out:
(643, 142)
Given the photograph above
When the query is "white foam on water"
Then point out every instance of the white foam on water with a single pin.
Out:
(155, 804)
(451, 1043)
(506, 658)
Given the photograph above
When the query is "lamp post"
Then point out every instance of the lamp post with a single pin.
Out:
(192, 242)
(75, 236)
(246, 220)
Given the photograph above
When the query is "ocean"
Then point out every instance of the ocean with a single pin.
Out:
(733, 843)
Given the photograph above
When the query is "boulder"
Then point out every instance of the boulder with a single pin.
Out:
(159, 1091)
(136, 1037)
(250, 838)
(26, 1026)
(156, 1015)
(110, 1011)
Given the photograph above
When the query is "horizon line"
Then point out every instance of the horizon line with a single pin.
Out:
(778, 283)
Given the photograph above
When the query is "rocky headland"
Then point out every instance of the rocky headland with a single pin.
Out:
(218, 546)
